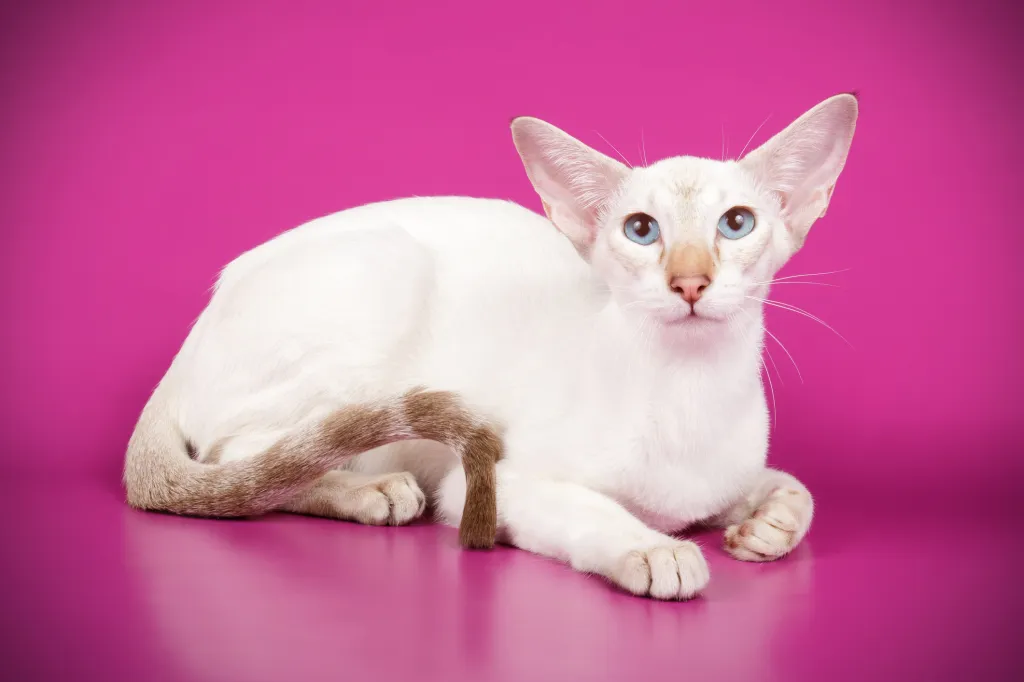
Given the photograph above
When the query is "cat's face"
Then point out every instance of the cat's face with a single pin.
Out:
(687, 240)
(688, 243)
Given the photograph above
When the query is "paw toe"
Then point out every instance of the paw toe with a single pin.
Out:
(664, 573)
(635, 573)
(676, 571)
(372, 507)
(405, 499)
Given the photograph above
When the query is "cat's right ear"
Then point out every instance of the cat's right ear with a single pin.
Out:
(575, 182)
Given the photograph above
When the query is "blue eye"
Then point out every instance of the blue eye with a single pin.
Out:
(641, 228)
(736, 223)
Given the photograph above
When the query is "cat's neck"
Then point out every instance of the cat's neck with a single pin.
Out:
(632, 366)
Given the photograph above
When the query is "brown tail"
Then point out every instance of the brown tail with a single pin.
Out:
(159, 475)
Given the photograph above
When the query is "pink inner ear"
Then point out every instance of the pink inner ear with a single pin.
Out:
(806, 158)
(573, 180)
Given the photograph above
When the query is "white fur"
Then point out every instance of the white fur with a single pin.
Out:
(626, 418)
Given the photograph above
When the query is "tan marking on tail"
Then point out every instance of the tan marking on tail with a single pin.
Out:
(160, 476)
(440, 418)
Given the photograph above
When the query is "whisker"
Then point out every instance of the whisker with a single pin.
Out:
(754, 135)
(811, 274)
(820, 284)
(771, 389)
(643, 148)
(771, 386)
(769, 354)
(786, 350)
(800, 311)
(614, 148)
(723, 140)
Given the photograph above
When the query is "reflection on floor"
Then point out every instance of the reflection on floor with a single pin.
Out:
(98, 591)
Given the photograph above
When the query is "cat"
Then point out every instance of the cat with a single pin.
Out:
(592, 377)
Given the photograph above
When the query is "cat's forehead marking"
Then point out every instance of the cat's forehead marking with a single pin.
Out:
(686, 190)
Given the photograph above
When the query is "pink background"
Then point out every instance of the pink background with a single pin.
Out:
(144, 147)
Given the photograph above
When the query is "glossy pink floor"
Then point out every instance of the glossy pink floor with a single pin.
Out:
(104, 593)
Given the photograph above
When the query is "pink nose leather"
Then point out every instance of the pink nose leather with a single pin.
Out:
(690, 288)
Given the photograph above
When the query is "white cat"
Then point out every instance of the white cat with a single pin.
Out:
(616, 360)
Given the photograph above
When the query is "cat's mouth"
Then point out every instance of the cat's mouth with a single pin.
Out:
(688, 318)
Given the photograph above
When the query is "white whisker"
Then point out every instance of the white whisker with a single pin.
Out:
(800, 311)
(769, 354)
(614, 148)
(760, 360)
(811, 274)
(752, 136)
(771, 388)
(786, 350)
(820, 284)
(643, 148)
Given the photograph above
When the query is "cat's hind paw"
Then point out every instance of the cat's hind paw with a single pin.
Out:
(391, 500)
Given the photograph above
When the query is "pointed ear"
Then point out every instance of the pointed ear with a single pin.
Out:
(575, 182)
(802, 163)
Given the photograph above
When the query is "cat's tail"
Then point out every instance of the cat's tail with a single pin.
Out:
(159, 474)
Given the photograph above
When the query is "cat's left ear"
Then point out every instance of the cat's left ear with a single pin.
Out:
(575, 182)
(802, 163)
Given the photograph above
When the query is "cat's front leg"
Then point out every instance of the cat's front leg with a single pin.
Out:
(770, 520)
(588, 530)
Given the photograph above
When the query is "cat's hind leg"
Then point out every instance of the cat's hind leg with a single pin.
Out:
(390, 499)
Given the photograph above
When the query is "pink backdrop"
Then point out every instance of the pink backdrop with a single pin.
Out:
(143, 147)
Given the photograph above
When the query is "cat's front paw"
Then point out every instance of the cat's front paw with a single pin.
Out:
(775, 527)
(670, 571)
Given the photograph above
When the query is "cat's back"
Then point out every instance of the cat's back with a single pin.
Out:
(459, 233)
(429, 291)
(361, 280)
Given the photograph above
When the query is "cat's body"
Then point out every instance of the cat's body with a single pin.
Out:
(620, 423)
(485, 299)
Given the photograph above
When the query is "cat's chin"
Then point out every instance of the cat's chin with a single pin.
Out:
(690, 321)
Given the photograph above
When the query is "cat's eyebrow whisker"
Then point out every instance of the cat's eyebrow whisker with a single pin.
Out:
(723, 140)
(753, 136)
(614, 148)
(800, 311)
(643, 148)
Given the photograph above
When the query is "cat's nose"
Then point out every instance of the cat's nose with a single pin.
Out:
(690, 288)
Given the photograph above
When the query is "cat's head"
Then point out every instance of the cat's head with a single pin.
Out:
(686, 241)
